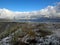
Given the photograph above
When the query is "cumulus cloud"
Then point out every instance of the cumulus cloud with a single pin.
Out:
(7, 14)
(49, 12)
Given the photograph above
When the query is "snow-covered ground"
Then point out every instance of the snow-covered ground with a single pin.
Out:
(48, 40)
(53, 39)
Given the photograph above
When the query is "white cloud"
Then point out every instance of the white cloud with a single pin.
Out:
(50, 11)
(58, 7)
(5, 13)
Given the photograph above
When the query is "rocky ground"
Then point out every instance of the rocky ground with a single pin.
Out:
(29, 34)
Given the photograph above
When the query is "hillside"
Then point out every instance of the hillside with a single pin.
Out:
(20, 32)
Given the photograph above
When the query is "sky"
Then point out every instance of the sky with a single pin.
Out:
(21, 9)
(26, 5)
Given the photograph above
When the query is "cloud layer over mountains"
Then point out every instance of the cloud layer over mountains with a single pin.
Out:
(49, 12)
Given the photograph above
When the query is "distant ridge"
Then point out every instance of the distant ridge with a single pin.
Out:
(42, 19)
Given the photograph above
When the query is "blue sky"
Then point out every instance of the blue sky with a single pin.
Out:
(26, 5)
